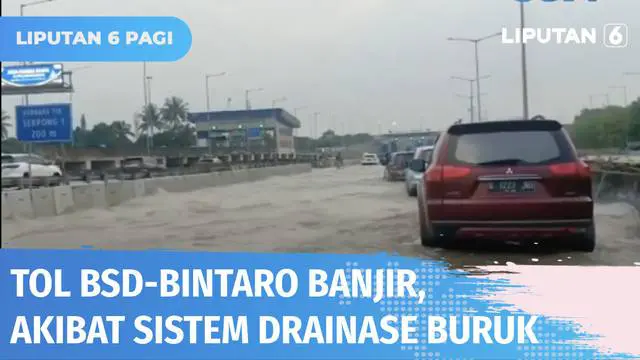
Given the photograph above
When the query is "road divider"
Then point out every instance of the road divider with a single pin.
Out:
(52, 201)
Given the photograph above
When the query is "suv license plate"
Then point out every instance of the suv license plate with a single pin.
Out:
(512, 186)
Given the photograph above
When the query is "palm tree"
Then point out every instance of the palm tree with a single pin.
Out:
(174, 112)
(149, 119)
(5, 124)
(121, 130)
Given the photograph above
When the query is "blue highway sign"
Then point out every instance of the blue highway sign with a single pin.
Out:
(50, 123)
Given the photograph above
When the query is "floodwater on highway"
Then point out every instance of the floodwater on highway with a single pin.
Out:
(330, 211)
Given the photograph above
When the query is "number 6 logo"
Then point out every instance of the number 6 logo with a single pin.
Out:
(616, 35)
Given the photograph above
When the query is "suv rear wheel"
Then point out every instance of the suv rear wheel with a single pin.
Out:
(587, 241)
(427, 237)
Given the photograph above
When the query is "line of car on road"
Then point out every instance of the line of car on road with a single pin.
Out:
(512, 181)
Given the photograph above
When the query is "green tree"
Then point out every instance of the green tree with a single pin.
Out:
(5, 124)
(606, 127)
(81, 133)
(121, 130)
(149, 119)
(102, 135)
(174, 112)
(83, 122)
(12, 145)
(181, 136)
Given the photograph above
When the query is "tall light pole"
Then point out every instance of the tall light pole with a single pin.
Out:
(246, 96)
(149, 78)
(22, 7)
(150, 132)
(523, 55)
(72, 71)
(605, 95)
(208, 103)
(471, 110)
(295, 111)
(631, 73)
(295, 114)
(276, 101)
(144, 84)
(475, 42)
(315, 123)
(624, 93)
(206, 87)
(471, 81)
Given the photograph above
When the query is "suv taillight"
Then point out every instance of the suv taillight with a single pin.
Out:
(578, 168)
(445, 172)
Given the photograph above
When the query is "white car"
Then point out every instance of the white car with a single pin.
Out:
(15, 168)
(369, 159)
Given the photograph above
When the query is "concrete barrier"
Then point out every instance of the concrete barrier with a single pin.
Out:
(51, 201)
(117, 194)
(89, 196)
(139, 188)
(63, 199)
(6, 209)
(43, 202)
(18, 204)
(150, 186)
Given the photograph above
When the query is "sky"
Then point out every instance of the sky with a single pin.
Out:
(363, 65)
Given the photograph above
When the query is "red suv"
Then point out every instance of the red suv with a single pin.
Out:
(505, 180)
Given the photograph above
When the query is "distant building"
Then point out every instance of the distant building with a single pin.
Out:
(261, 130)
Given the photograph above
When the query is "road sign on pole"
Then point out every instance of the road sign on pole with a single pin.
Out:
(49, 123)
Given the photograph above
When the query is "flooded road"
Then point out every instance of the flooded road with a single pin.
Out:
(330, 211)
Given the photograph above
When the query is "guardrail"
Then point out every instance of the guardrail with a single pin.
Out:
(612, 185)
(52, 201)
(229, 162)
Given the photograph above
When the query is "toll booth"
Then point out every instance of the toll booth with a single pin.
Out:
(261, 130)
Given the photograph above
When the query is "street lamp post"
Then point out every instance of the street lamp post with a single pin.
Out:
(471, 110)
(246, 96)
(629, 73)
(475, 42)
(471, 81)
(624, 93)
(634, 73)
(315, 123)
(295, 111)
(523, 55)
(206, 86)
(26, 96)
(144, 83)
(275, 101)
(295, 114)
(605, 95)
(151, 120)
(22, 7)
(149, 78)
(72, 71)
(208, 101)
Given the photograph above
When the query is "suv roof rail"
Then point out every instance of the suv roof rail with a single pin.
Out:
(511, 125)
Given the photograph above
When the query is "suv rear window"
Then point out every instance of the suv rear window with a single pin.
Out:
(425, 155)
(400, 159)
(527, 147)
